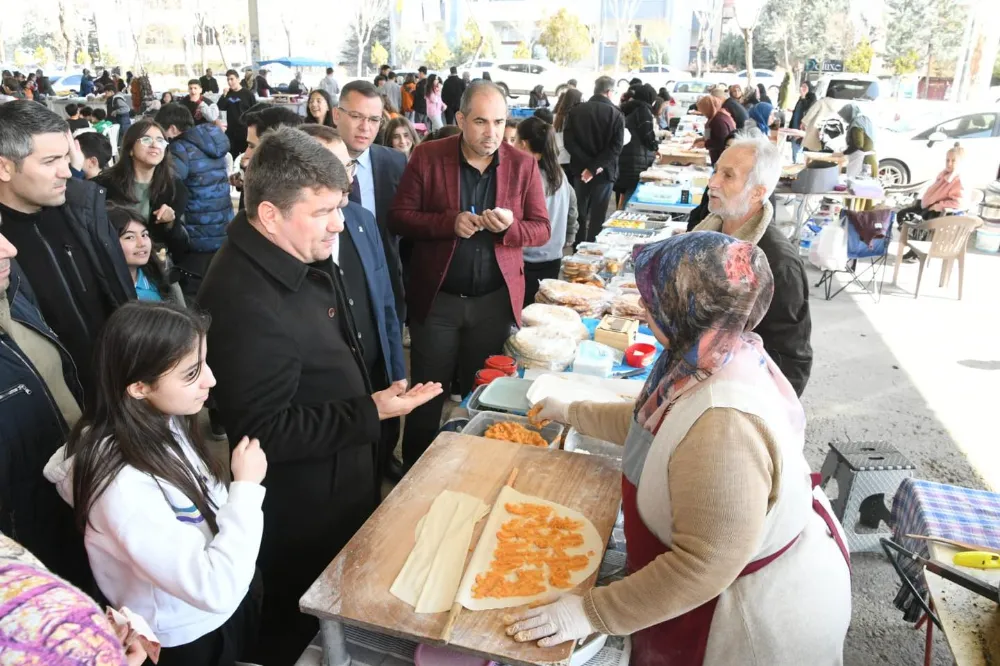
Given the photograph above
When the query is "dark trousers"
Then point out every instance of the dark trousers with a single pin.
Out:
(227, 644)
(237, 140)
(915, 213)
(449, 117)
(536, 272)
(592, 201)
(457, 333)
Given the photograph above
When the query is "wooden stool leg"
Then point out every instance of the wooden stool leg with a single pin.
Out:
(929, 639)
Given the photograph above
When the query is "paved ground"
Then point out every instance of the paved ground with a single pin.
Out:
(924, 375)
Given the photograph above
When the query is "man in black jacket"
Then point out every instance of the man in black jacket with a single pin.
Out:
(451, 94)
(208, 82)
(745, 176)
(69, 251)
(302, 389)
(593, 135)
(39, 403)
(420, 96)
(734, 106)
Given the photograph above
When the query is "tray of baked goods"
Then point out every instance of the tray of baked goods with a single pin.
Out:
(641, 223)
(513, 428)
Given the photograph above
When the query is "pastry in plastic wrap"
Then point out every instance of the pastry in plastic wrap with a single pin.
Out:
(561, 317)
(545, 347)
(628, 305)
(587, 300)
(582, 269)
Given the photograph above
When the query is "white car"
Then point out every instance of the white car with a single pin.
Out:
(66, 83)
(658, 76)
(914, 152)
(519, 77)
(848, 86)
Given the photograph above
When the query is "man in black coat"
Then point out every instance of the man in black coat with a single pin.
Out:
(734, 106)
(451, 95)
(290, 367)
(593, 135)
(68, 250)
(420, 96)
(738, 202)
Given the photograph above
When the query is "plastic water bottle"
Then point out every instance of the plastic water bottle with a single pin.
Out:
(806, 237)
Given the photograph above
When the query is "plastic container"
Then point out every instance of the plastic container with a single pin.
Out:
(505, 364)
(640, 355)
(582, 269)
(580, 443)
(477, 427)
(988, 238)
(430, 655)
(508, 394)
(593, 358)
(487, 376)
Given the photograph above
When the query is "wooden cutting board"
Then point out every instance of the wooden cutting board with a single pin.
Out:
(354, 589)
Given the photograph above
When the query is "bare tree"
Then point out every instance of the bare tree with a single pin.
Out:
(708, 17)
(365, 17)
(287, 24)
(67, 14)
(623, 12)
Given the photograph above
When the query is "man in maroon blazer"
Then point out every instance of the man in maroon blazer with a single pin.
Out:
(469, 203)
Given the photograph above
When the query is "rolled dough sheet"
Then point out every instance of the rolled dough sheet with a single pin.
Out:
(481, 559)
(431, 574)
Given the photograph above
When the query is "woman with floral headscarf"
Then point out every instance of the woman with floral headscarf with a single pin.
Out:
(733, 557)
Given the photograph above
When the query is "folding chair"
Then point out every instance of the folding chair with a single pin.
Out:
(872, 275)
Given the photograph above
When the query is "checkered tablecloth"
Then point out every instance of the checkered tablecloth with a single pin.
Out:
(934, 509)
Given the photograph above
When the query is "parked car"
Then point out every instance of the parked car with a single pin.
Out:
(67, 84)
(658, 76)
(912, 152)
(519, 77)
(848, 86)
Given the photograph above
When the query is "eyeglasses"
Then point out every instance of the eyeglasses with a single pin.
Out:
(150, 140)
(357, 117)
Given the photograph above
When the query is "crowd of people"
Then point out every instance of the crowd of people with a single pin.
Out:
(132, 297)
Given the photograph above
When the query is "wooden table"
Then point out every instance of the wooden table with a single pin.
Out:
(971, 623)
(354, 589)
(683, 157)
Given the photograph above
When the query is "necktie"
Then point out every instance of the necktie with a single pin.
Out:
(355, 191)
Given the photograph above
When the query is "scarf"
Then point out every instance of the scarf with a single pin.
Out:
(853, 115)
(709, 106)
(751, 231)
(761, 114)
(705, 292)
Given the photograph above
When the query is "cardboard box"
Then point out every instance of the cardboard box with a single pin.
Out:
(617, 332)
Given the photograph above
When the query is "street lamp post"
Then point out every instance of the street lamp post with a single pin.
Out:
(747, 13)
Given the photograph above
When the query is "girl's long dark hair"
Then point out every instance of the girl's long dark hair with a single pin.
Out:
(542, 140)
(328, 118)
(140, 342)
(429, 86)
(393, 125)
(120, 217)
(569, 99)
(122, 175)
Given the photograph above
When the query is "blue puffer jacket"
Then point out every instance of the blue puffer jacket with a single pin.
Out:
(199, 161)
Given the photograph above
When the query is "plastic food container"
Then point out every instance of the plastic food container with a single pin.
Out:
(486, 376)
(593, 358)
(640, 355)
(552, 433)
(507, 394)
(505, 364)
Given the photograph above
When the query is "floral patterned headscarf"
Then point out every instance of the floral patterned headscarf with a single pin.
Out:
(705, 291)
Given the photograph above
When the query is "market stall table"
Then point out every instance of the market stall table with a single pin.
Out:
(971, 623)
(805, 209)
(354, 588)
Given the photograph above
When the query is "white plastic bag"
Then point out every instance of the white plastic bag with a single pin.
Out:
(829, 249)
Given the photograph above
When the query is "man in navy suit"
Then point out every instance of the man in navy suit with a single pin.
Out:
(358, 117)
(361, 259)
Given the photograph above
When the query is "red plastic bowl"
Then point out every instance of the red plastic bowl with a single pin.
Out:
(487, 375)
(640, 355)
(504, 364)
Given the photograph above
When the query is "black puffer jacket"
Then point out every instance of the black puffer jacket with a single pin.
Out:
(639, 153)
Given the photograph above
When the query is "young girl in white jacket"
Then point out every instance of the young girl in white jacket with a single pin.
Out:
(163, 534)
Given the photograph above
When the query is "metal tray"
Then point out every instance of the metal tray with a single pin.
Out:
(552, 433)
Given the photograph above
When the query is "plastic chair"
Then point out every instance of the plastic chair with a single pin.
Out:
(878, 260)
(949, 238)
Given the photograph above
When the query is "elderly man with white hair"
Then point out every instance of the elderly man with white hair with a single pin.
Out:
(744, 179)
